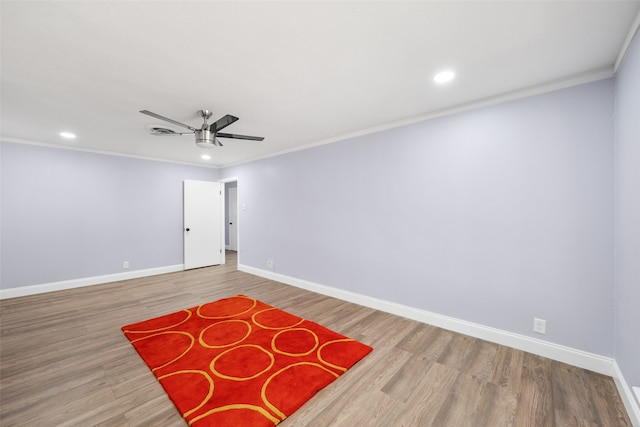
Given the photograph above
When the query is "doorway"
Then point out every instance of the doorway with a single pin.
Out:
(232, 215)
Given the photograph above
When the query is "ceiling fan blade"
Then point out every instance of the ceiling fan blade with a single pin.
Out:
(166, 119)
(222, 123)
(170, 134)
(234, 136)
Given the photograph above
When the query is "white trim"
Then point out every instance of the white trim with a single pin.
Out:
(237, 249)
(575, 357)
(223, 208)
(86, 281)
(627, 42)
(104, 152)
(231, 179)
(562, 83)
(627, 395)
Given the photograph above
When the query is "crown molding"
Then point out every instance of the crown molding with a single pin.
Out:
(558, 84)
(103, 152)
(627, 42)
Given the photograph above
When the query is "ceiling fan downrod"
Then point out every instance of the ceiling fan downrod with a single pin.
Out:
(204, 137)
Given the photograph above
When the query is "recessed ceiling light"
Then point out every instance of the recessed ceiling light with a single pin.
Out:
(444, 77)
(205, 157)
(68, 135)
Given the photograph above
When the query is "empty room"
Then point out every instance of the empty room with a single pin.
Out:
(320, 213)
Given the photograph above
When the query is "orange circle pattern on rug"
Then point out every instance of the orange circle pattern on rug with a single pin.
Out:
(281, 380)
(251, 364)
(189, 394)
(295, 342)
(224, 309)
(224, 334)
(173, 344)
(272, 318)
(241, 415)
(341, 344)
(241, 361)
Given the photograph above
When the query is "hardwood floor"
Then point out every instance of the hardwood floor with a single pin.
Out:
(65, 362)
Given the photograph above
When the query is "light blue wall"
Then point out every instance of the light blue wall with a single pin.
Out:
(627, 157)
(494, 216)
(70, 214)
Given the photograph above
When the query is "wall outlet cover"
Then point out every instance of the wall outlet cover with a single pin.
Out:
(540, 326)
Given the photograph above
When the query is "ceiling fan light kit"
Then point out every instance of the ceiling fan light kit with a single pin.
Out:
(204, 139)
(207, 135)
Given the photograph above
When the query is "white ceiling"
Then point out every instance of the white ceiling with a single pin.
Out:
(297, 73)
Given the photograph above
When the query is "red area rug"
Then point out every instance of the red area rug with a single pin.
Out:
(240, 362)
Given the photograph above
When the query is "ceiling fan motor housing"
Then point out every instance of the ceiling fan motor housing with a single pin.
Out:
(205, 139)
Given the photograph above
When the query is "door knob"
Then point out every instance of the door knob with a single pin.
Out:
(187, 229)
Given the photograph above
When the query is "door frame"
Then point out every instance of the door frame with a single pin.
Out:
(224, 181)
(232, 222)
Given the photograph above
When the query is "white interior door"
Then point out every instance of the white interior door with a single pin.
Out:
(233, 218)
(203, 224)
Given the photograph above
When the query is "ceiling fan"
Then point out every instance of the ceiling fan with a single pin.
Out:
(207, 135)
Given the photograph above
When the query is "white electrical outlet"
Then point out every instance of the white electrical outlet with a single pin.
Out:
(125, 264)
(270, 264)
(539, 326)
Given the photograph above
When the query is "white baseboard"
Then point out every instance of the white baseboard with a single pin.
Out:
(627, 395)
(572, 356)
(86, 281)
(582, 359)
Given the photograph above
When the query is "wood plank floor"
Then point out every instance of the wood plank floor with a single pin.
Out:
(65, 362)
